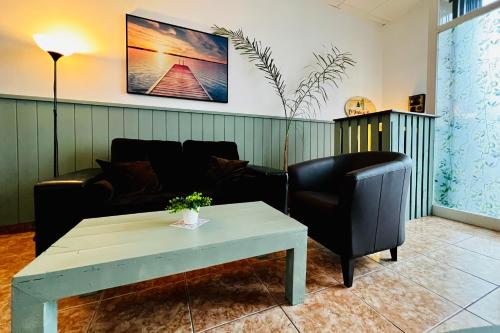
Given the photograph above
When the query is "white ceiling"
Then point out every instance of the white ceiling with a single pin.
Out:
(381, 11)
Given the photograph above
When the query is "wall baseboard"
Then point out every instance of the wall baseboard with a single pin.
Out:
(17, 228)
(466, 217)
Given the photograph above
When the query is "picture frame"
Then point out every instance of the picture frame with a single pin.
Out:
(168, 60)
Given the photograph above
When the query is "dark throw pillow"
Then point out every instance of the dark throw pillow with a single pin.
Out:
(131, 177)
(221, 170)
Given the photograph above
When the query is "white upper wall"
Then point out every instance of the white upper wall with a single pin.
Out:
(405, 45)
(294, 29)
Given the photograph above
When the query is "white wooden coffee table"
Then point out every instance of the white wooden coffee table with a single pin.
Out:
(113, 251)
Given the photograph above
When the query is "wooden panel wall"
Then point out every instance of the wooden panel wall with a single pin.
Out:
(86, 132)
(408, 133)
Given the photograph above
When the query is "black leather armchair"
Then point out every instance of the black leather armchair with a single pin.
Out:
(353, 204)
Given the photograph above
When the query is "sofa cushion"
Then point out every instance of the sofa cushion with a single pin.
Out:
(197, 156)
(307, 204)
(221, 170)
(165, 157)
(130, 177)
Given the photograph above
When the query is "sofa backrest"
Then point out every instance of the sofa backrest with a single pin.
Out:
(165, 157)
(179, 167)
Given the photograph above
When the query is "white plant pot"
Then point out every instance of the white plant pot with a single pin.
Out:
(190, 216)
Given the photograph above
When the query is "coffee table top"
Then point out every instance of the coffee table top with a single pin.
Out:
(114, 238)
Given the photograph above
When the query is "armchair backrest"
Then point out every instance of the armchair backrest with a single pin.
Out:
(313, 175)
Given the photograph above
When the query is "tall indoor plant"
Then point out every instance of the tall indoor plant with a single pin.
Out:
(328, 69)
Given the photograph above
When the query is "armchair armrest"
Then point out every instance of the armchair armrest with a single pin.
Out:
(374, 198)
(270, 185)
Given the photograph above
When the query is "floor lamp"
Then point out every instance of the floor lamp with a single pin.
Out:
(56, 48)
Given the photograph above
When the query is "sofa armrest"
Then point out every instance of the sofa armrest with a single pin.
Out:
(62, 202)
(79, 178)
(265, 171)
(269, 185)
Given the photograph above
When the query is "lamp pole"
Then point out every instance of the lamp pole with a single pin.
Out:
(55, 56)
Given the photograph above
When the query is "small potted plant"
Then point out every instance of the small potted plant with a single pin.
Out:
(189, 206)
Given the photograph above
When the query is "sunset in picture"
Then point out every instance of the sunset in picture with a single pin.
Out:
(171, 61)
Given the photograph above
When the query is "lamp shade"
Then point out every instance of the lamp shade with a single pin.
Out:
(63, 43)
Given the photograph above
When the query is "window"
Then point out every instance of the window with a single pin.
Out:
(467, 162)
(451, 9)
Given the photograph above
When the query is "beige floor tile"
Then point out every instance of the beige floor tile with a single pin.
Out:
(446, 281)
(218, 268)
(326, 263)
(486, 246)
(69, 302)
(336, 309)
(323, 271)
(414, 246)
(471, 262)
(5, 313)
(269, 321)
(488, 307)
(219, 298)
(162, 309)
(462, 320)
(468, 228)
(76, 320)
(314, 245)
(434, 227)
(270, 256)
(135, 287)
(408, 305)
(272, 274)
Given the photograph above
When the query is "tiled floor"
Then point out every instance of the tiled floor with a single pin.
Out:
(447, 278)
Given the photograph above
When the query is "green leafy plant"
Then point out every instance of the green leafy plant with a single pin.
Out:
(193, 201)
(328, 69)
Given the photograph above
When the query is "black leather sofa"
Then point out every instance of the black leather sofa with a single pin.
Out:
(353, 204)
(62, 202)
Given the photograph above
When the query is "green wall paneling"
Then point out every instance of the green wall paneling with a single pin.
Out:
(219, 131)
(27, 147)
(159, 125)
(172, 126)
(131, 123)
(9, 186)
(87, 129)
(229, 128)
(197, 126)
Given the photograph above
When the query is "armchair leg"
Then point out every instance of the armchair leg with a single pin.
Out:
(394, 254)
(347, 270)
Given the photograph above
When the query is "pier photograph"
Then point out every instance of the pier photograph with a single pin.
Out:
(171, 61)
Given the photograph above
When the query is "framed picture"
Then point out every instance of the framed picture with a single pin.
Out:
(171, 61)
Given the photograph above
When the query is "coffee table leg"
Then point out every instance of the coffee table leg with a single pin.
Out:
(295, 280)
(29, 314)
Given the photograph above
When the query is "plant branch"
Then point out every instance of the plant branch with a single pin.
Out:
(263, 57)
(329, 69)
